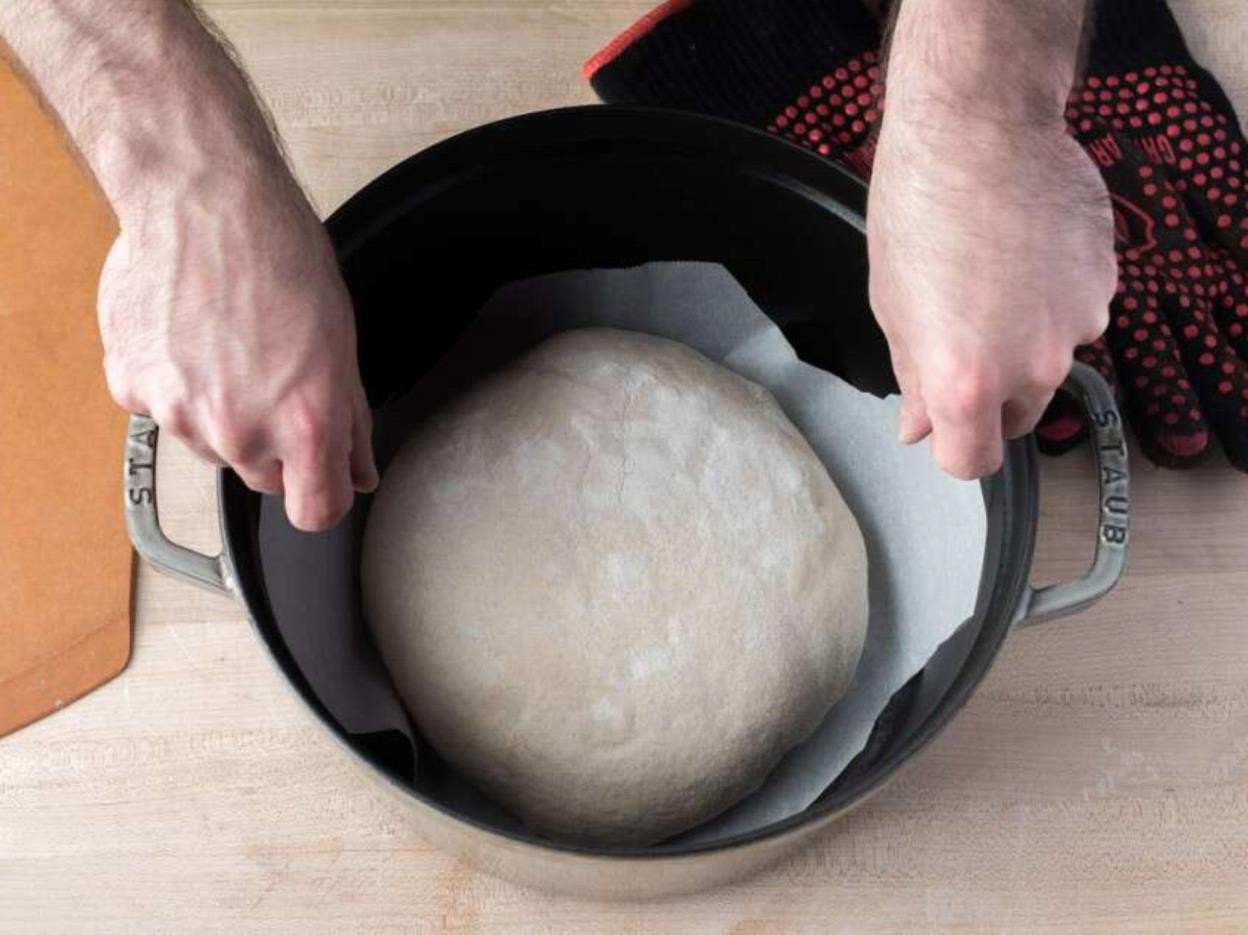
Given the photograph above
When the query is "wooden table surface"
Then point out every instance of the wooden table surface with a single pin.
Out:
(1097, 782)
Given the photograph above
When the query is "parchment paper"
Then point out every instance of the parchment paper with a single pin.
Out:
(924, 531)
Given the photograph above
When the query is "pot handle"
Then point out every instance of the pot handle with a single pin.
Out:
(143, 520)
(1110, 447)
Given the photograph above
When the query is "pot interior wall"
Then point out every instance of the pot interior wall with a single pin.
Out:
(424, 247)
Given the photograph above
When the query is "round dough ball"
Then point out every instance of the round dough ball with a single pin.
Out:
(614, 585)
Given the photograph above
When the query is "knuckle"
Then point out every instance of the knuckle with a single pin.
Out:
(121, 386)
(1020, 423)
(220, 402)
(968, 455)
(307, 427)
(260, 479)
(972, 390)
(232, 438)
(1108, 277)
(173, 417)
(1049, 369)
(1096, 323)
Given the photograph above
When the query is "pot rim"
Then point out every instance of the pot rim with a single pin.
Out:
(373, 207)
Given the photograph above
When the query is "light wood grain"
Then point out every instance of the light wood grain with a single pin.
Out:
(1098, 782)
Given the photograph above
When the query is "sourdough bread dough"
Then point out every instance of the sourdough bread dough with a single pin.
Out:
(614, 585)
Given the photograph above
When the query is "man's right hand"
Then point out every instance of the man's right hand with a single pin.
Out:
(992, 258)
(990, 233)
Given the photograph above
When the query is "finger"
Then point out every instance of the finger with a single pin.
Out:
(1230, 308)
(969, 449)
(1155, 344)
(1063, 424)
(1230, 301)
(966, 428)
(262, 477)
(1192, 142)
(1203, 301)
(1189, 285)
(1207, 165)
(1042, 377)
(913, 424)
(364, 474)
(1215, 371)
(1021, 414)
(1162, 405)
(1158, 336)
(316, 469)
(318, 492)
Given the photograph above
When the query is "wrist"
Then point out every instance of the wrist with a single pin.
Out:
(957, 156)
(973, 137)
(984, 61)
(152, 99)
(172, 148)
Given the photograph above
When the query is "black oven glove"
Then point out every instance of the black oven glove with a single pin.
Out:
(1159, 127)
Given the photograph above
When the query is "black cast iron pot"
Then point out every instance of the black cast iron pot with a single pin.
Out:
(427, 243)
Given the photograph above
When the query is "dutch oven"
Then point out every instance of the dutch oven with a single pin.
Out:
(426, 244)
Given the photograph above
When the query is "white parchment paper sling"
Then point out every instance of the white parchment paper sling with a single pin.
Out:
(925, 531)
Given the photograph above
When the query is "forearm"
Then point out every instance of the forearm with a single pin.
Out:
(999, 61)
(150, 97)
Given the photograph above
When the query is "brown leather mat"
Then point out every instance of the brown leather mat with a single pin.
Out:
(65, 561)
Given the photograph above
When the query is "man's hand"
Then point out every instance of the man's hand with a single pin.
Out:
(221, 308)
(224, 317)
(992, 258)
(990, 231)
